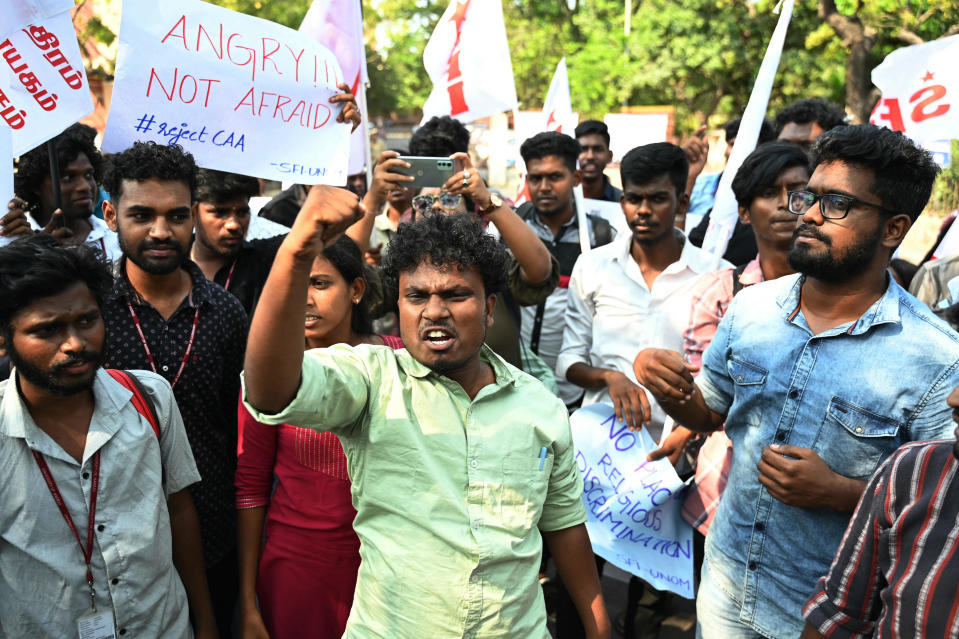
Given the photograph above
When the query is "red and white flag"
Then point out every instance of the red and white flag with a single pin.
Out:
(920, 85)
(558, 109)
(467, 58)
(338, 25)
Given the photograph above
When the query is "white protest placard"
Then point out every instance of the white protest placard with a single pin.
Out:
(47, 88)
(240, 93)
(632, 505)
(19, 13)
(6, 152)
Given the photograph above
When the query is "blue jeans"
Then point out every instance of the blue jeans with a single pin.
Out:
(717, 613)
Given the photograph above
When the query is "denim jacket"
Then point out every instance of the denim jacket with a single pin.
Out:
(853, 394)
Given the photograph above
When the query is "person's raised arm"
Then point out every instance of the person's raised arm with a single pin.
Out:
(529, 251)
(385, 179)
(274, 353)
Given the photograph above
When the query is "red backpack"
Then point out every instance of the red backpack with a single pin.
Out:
(140, 400)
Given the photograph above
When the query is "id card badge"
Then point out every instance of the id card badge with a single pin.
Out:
(97, 625)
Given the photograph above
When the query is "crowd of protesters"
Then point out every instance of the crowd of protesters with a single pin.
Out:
(360, 427)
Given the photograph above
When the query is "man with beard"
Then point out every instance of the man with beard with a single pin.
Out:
(80, 167)
(910, 504)
(165, 316)
(551, 174)
(800, 371)
(461, 464)
(82, 465)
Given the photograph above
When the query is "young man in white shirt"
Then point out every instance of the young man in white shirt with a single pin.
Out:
(636, 291)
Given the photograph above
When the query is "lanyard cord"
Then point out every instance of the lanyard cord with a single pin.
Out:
(146, 347)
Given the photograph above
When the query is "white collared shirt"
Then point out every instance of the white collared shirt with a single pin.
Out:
(43, 589)
(611, 313)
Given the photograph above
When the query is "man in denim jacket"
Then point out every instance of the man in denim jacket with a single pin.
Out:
(818, 377)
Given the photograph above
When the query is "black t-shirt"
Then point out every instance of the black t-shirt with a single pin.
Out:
(742, 247)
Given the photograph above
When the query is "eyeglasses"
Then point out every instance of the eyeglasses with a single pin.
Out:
(833, 206)
(423, 203)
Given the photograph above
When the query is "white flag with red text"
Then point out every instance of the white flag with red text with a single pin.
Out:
(558, 108)
(338, 25)
(467, 58)
(920, 85)
(20, 13)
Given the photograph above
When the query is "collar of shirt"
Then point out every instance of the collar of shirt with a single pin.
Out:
(16, 421)
(415, 368)
(885, 310)
(692, 257)
(382, 222)
(199, 294)
(752, 274)
(610, 192)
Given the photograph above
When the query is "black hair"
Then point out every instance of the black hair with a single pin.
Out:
(767, 131)
(549, 143)
(149, 160)
(904, 270)
(34, 166)
(457, 240)
(345, 256)
(762, 167)
(589, 127)
(826, 114)
(219, 186)
(39, 266)
(441, 136)
(903, 172)
(647, 162)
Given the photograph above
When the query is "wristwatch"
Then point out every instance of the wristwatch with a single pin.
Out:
(495, 202)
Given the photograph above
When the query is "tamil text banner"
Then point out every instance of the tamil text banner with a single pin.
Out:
(240, 93)
(632, 505)
(920, 85)
(46, 88)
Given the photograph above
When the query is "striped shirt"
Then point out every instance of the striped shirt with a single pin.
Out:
(897, 570)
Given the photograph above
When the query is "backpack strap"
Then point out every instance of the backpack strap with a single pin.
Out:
(140, 400)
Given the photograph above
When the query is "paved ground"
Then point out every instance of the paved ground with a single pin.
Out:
(679, 624)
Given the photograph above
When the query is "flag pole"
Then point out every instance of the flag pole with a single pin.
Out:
(55, 173)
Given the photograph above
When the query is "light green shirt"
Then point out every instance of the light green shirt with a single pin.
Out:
(449, 493)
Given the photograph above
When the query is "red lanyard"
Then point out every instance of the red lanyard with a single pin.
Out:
(146, 347)
(58, 498)
(103, 245)
(229, 276)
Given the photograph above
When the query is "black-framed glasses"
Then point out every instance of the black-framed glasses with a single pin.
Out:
(833, 206)
(423, 203)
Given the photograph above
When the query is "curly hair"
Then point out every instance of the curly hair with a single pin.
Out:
(826, 114)
(647, 162)
(148, 160)
(34, 165)
(440, 137)
(447, 240)
(220, 186)
(39, 266)
(903, 172)
(551, 143)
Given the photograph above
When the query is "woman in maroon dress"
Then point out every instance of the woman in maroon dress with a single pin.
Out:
(304, 574)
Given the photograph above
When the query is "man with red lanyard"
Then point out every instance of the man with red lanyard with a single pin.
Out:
(98, 534)
(165, 316)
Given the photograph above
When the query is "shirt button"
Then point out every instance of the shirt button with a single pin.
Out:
(114, 581)
(793, 394)
(760, 526)
(474, 578)
(752, 565)
(85, 475)
(123, 631)
(100, 528)
(474, 463)
(859, 429)
(781, 437)
(739, 379)
(165, 368)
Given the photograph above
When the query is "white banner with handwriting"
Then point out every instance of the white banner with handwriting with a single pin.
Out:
(632, 505)
(241, 94)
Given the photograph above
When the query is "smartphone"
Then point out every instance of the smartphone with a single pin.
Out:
(427, 172)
